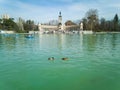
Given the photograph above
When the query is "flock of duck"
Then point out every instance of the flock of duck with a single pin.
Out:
(52, 58)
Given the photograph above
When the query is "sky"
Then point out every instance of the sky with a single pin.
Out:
(45, 10)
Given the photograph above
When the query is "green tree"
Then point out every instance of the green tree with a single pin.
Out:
(29, 26)
(0, 23)
(102, 25)
(84, 20)
(9, 24)
(116, 23)
(109, 25)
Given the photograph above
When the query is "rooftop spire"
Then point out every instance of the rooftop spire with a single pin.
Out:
(60, 14)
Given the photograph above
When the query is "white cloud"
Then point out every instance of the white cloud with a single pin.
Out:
(29, 11)
(73, 10)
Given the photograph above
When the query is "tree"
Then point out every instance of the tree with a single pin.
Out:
(0, 23)
(9, 24)
(109, 25)
(69, 22)
(29, 25)
(84, 20)
(116, 23)
(92, 19)
(20, 24)
(102, 25)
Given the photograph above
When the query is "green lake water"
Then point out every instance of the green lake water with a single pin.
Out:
(93, 64)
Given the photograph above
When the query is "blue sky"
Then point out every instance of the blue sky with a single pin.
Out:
(46, 10)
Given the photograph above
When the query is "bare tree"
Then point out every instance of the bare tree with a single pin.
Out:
(92, 19)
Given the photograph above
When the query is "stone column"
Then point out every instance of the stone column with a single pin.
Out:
(39, 27)
(81, 26)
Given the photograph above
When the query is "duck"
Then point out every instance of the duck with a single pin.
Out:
(65, 58)
(51, 58)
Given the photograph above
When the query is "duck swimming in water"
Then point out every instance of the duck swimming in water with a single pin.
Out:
(65, 58)
(51, 58)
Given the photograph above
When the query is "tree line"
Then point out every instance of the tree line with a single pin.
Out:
(91, 21)
(20, 26)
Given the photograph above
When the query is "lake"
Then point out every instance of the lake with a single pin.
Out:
(93, 62)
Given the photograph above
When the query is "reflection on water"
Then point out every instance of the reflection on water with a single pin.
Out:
(93, 62)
